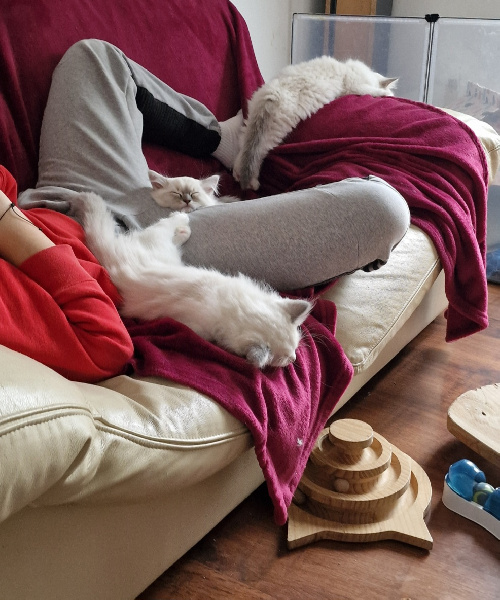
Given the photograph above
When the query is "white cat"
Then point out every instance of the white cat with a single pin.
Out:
(235, 312)
(295, 94)
(184, 194)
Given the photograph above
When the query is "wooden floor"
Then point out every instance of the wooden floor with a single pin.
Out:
(246, 558)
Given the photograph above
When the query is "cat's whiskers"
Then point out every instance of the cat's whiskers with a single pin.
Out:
(313, 336)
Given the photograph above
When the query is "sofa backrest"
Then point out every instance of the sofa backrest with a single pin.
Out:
(201, 48)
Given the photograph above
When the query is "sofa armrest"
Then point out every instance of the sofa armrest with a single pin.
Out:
(44, 425)
(123, 440)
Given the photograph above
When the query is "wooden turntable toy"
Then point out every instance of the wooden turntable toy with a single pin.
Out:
(358, 488)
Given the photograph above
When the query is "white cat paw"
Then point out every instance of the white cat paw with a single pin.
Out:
(182, 231)
(236, 173)
(181, 234)
(254, 184)
(245, 174)
(249, 181)
(179, 218)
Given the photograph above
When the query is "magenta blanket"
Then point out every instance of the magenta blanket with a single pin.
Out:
(436, 163)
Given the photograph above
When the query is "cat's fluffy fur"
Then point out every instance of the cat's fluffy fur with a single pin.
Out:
(295, 94)
(235, 312)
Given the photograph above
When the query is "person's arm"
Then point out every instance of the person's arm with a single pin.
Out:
(19, 238)
(52, 309)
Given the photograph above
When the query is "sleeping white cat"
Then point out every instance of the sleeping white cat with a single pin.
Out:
(185, 194)
(295, 94)
(235, 312)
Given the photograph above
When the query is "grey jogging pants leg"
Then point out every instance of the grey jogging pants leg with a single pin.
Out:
(302, 238)
(101, 106)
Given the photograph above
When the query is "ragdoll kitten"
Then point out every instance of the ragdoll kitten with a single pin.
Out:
(235, 312)
(295, 94)
(184, 194)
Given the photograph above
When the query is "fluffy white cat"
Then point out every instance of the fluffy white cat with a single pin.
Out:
(295, 94)
(235, 312)
(184, 194)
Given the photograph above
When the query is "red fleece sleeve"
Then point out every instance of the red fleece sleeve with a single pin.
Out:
(58, 306)
(54, 311)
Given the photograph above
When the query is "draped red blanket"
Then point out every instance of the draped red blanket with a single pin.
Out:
(436, 163)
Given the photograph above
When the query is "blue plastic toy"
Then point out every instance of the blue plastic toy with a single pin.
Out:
(462, 477)
(467, 493)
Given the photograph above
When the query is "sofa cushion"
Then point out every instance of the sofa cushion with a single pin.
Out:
(384, 299)
(62, 441)
(489, 138)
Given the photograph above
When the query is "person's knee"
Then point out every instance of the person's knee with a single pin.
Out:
(84, 50)
(389, 210)
(385, 222)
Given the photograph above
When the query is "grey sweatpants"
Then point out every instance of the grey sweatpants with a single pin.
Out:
(100, 108)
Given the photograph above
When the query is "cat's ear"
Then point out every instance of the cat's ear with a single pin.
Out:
(157, 180)
(298, 310)
(259, 355)
(389, 83)
(210, 184)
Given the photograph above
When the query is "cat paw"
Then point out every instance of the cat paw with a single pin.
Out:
(179, 218)
(259, 355)
(182, 231)
(236, 173)
(249, 181)
(254, 184)
(228, 199)
(181, 234)
(244, 174)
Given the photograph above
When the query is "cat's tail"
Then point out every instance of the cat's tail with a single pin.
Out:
(264, 130)
(99, 225)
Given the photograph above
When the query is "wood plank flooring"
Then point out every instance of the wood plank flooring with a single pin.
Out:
(246, 558)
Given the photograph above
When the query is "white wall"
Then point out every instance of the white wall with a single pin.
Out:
(270, 25)
(481, 9)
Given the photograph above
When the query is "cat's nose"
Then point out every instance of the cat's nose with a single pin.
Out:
(187, 199)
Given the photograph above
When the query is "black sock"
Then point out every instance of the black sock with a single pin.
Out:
(166, 127)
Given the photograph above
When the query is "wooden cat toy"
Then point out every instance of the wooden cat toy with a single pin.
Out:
(358, 488)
